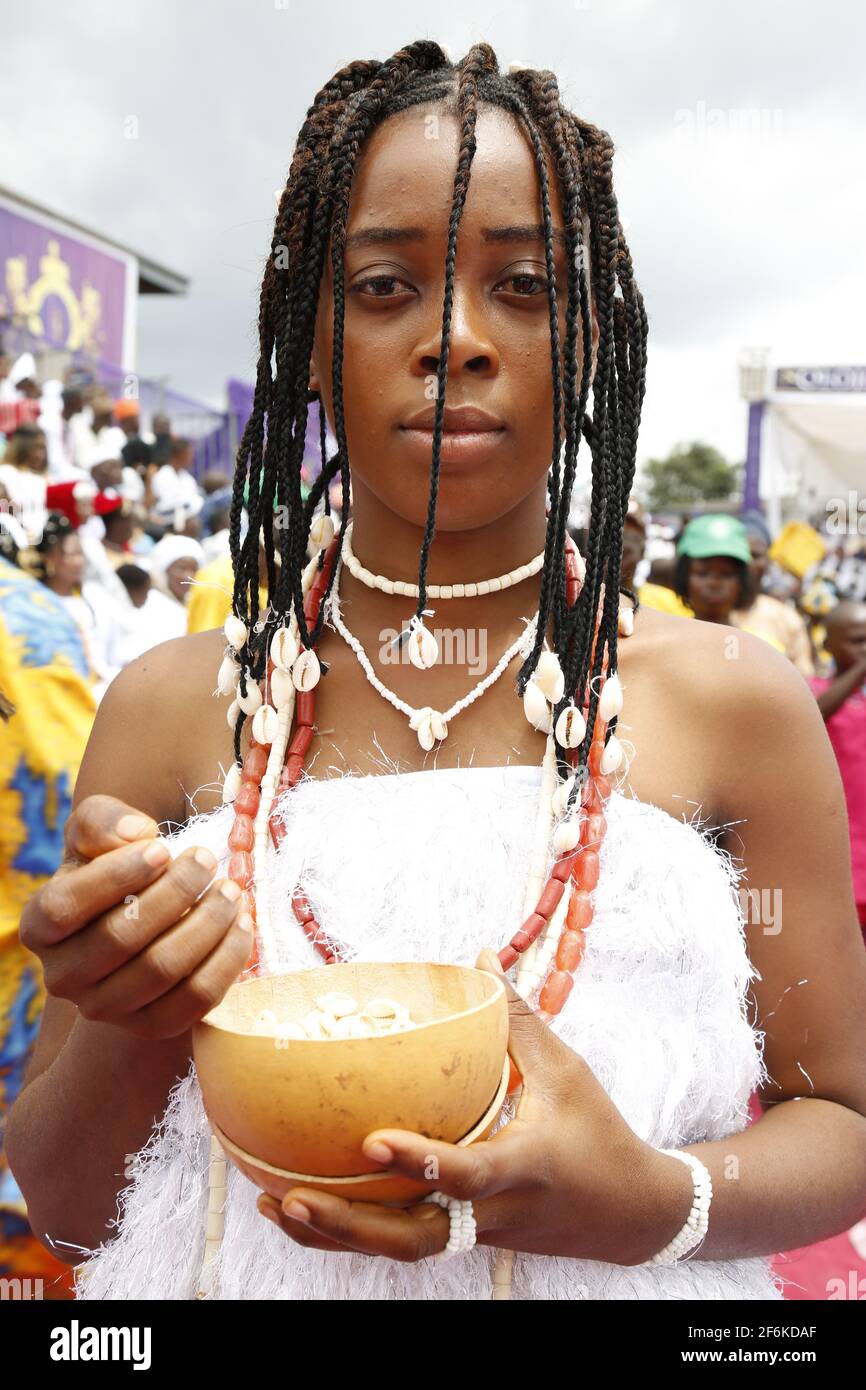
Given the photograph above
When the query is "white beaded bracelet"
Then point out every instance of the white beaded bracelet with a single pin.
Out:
(698, 1219)
(462, 1234)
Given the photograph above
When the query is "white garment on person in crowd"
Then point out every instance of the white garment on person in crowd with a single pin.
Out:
(50, 422)
(157, 620)
(174, 487)
(26, 492)
(176, 514)
(101, 621)
(99, 568)
(9, 522)
(216, 546)
(83, 436)
(68, 441)
(432, 866)
(108, 443)
(132, 485)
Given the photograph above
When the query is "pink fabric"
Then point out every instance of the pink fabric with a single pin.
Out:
(847, 731)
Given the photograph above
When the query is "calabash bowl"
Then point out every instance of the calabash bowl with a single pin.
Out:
(292, 1111)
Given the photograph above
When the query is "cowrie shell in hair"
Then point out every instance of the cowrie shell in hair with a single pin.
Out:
(232, 713)
(282, 687)
(612, 755)
(566, 836)
(232, 784)
(306, 670)
(322, 530)
(570, 727)
(284, 649)
(266, 724)
(423, 648)
(250, 702)
(561, 795)
(626, 620)
(227, 675)
(517, 67)
(536, 708)
(549, 678)
(610, 700)
(235, 631)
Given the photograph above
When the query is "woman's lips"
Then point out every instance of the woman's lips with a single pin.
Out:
(458, 446)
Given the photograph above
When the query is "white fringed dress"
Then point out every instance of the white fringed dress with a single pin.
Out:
(432, 866)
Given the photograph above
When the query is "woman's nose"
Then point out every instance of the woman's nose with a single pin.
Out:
(470, 345)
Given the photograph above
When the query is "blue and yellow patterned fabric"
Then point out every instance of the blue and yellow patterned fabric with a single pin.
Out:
(44, 675)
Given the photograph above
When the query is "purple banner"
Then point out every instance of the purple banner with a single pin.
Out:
(67, 292)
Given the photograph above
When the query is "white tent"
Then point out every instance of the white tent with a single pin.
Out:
(814, 450)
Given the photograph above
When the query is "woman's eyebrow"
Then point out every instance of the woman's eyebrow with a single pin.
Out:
(524, 232)
(371, 236)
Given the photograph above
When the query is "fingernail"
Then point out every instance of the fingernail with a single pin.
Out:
(130, 827)
(231, 890)
(245, 921)
(205, 858)
(298, 1211)
(157, 852)
(379, 1151)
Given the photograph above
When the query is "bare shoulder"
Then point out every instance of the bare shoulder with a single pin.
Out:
(159, 729)
(713, 666)
(714, 709)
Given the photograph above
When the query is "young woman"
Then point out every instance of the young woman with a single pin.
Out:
(660, 1011)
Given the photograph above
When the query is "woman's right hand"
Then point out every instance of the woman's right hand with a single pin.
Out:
(131, 936)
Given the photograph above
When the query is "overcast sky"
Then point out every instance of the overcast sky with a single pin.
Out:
(739, 127)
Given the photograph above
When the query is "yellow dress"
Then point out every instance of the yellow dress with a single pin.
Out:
(210, 596)
(665, 600)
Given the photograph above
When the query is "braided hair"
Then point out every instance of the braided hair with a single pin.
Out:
(314, 207)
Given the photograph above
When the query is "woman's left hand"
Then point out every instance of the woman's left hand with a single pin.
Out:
(567, 1176)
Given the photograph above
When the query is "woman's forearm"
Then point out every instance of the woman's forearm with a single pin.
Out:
(72, 1129)
(796, 1176)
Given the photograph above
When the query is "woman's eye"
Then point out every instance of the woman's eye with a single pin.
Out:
(381, 286)
(526, 285)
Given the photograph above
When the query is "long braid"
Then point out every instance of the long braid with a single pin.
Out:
(480, 58)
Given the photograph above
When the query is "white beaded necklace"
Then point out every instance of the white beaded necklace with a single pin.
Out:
(429, 724)
(400, 586)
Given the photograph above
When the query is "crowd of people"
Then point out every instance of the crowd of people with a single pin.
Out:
(110, 543)
(726, 569)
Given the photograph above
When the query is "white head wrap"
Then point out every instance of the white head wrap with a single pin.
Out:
(166, 551)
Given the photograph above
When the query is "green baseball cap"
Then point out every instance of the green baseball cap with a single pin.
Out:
(715, 535)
